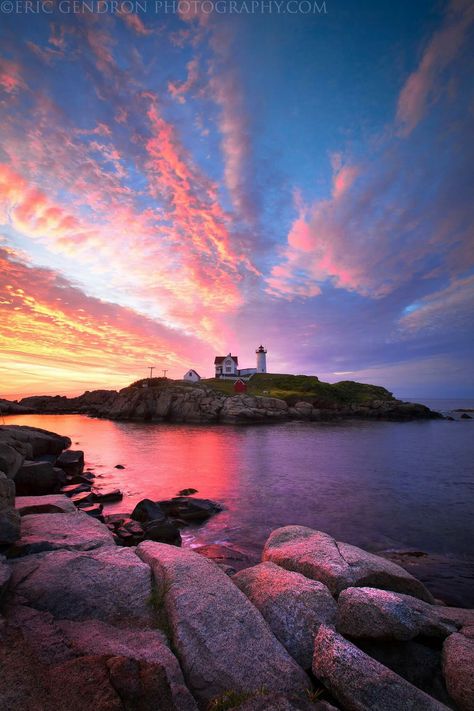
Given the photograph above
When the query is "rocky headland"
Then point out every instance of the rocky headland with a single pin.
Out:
(175, 401)
(114, 614)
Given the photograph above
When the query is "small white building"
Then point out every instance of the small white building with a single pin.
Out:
(191, 376)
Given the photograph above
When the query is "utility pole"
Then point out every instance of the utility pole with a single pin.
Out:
(164, 372)
(152, 368)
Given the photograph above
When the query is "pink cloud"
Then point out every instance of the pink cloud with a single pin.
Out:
(10, 76)
(135, 23)
(444, 310)
(179, 90)
(422, 87)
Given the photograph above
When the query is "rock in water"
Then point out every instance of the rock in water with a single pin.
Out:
(293, 606)
(360, 683)
(147, 510)
(221, 640)
(110, 584)
(190, 509)
(381, 614)
(73, 531)
(458, 670)
(72, 462)
(338, 565)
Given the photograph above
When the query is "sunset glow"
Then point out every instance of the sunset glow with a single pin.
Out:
(176, 187)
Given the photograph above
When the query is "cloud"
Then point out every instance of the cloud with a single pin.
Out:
(445, 311)
(389, 219)
(11, 80)
(423, 86)
(179, 90)
(49, 326)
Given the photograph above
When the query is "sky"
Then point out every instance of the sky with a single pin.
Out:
(186, 181)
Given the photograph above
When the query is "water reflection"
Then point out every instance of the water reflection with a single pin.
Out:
(377, 485)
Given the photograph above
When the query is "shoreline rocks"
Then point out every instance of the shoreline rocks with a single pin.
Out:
(220, 638)
(180, 402)
(338, 565)
(87, 623)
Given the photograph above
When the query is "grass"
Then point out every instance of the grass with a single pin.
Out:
(294, 388)
(231, 699)
(156, 600)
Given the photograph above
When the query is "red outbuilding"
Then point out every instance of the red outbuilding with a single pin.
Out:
(240, 386)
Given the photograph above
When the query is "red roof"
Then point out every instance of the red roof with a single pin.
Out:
(221, 359)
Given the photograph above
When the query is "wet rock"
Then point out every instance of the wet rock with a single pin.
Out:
(52, 503)
(71, 461)
(86, 478)
(293, 606)
(190, 509)
(338, 565)
(94, 510)
(361, 683)
(147, 510)
(72, 489)
(142, 645)
(187, 492)
(162, 531)
(119, 466)
(381, 614)
(110, 584)
(37, 478)
(84, 498)
(465, 416)
(458, 666)
(72, 531)
(9, 518)
(221, 640)
(106, 497)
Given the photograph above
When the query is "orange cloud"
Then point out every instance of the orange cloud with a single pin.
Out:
(56, 338)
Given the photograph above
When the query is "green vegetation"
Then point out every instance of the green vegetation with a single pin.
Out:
(152, 383)
(230, 699)
(156, 600)
(294, 388)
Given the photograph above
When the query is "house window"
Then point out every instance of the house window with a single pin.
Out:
(228, 369)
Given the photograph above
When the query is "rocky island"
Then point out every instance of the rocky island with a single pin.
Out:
(90, 619)
(269, 398)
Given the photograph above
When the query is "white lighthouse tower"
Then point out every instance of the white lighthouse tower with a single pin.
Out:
(261, 359)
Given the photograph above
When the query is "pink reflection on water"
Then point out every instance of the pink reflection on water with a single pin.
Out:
(159, 461)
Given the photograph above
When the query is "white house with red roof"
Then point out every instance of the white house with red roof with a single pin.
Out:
(228, 366)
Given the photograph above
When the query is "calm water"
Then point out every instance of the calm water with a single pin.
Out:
(375, 484)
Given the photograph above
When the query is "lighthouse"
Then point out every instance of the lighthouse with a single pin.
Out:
(261, 359)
